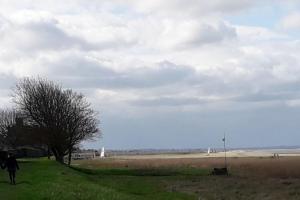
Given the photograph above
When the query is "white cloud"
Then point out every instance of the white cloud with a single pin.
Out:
(194, 34)
(291, 21)
(293, 103)
(192, 8)
(258, 34)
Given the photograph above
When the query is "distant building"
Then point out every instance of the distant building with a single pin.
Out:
(83, 155)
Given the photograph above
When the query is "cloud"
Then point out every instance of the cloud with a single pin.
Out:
(263, 97)
(202, 34)
(193, 7)
(291, 21)
(7, 81)
(172, 57)
(47, 30)
(37, 36)
(96, 75)
(171, 101)
(258, 34)
(42, 32)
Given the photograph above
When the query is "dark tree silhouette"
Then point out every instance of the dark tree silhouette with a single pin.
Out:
(14, 132)
(8, 131)
(64, 116)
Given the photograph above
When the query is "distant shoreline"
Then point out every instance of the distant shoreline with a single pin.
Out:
(202, 154)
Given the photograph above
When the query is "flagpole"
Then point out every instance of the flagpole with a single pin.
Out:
(224, 140)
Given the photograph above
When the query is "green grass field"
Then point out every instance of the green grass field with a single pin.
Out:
(110, 179)
(44, 179)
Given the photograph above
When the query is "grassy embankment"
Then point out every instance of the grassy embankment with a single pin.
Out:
(43, 179)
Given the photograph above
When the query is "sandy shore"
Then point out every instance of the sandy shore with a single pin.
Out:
(234, 153)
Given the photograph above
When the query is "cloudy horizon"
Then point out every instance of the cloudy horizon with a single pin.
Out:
(165, 74)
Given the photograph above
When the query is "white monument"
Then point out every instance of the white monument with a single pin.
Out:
(102, 155)
(208, 151)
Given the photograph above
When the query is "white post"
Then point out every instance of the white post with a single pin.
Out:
(102, 155)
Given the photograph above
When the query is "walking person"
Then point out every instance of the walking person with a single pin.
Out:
(12, 166)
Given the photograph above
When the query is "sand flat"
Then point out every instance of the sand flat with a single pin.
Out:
(233, 153)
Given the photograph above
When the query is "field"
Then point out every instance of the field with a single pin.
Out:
(250, 177)
(156, 178)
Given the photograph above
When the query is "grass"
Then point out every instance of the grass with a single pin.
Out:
(44, 179)
(250, 178)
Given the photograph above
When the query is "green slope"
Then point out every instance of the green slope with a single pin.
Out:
(44, 179)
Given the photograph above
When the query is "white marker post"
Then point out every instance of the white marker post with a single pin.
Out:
(102, 155)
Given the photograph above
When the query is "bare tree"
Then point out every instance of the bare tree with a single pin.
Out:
(81, 121)
(64, 116)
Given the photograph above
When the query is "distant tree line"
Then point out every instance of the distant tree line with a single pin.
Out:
(50, 115)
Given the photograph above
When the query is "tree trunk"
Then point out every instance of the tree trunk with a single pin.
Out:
(70, 156)
(54, 152)
(70, 150)
(59, 157)
(48, 152)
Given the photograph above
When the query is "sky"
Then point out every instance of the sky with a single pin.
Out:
(164, 74)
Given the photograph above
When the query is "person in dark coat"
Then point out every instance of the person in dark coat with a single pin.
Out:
(12, 166)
